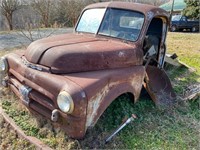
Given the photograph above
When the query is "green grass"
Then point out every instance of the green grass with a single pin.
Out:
(172, 128)
(187, 47)
(156, 128)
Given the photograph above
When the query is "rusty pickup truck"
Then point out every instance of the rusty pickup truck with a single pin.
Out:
(116, 48)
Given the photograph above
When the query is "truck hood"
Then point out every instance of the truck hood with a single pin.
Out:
(71, 53)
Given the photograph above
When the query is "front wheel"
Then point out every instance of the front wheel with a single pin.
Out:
(173, 28)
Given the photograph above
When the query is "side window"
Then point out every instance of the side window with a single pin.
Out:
(183, 18)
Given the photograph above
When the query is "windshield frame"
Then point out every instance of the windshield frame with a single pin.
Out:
(101, 22)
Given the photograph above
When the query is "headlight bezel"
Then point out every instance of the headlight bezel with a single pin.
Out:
(3, 61)
(65, 102)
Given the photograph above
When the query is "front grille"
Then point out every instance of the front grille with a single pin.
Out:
(37, 101)
(41, 99)
(40, 109)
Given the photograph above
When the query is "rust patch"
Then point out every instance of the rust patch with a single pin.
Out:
(159, 86)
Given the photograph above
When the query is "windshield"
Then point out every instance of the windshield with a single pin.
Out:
(123, 24)
(90, 20)
(118, 23)
(176, 18)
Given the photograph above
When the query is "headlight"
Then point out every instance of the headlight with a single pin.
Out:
(3, 65)
(65, 102)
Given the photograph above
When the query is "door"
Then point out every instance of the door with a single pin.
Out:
(159, 87)
(156, 81)
(183, 22)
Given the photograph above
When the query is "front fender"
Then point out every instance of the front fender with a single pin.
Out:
(102, 87)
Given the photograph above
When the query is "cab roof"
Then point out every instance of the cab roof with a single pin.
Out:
(144, 8)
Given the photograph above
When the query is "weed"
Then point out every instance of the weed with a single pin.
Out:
(10, 140)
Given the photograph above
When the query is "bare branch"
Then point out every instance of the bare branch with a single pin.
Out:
(8, 7)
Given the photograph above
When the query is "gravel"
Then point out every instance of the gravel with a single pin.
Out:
(13, 39)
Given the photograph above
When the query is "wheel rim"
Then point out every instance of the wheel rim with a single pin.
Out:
(173, 28)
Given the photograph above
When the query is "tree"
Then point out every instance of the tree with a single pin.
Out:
(44, 9)
(68, 11)
(8, 7)
(192, 9)
(74, 9)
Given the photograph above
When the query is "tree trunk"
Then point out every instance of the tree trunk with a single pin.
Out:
(9, 19)
(45, 20)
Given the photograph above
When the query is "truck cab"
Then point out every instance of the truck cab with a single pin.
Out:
(116, 48)
(180, 22)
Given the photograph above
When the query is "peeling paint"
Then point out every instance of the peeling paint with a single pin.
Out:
(121, 54)
(83, 94)
(150, 15)
(94, 104)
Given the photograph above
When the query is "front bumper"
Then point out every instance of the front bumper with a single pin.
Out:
(38, 90)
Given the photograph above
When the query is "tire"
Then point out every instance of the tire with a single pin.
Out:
(194, 29)
(173, 28)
